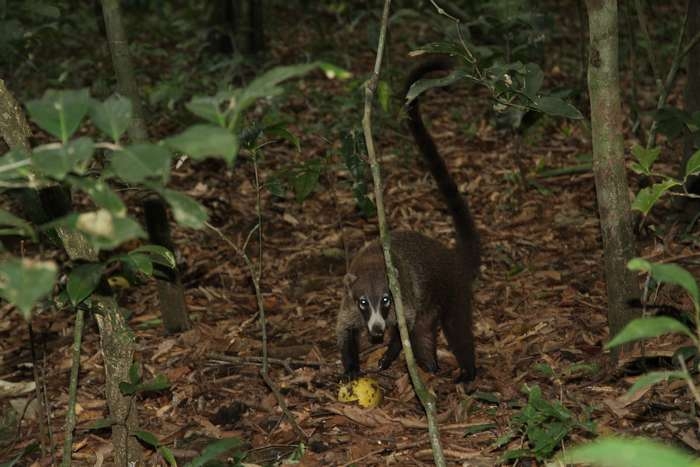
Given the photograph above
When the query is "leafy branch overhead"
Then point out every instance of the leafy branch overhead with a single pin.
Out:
(92, 167)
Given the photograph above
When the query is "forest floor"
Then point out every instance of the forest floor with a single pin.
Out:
(539, 303)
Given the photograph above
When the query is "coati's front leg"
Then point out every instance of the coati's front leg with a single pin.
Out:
(393, 350)
(350, 352)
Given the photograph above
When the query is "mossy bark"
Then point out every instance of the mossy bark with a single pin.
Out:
(608, 161)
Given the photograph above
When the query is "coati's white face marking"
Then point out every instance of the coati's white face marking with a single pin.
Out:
(375, 314)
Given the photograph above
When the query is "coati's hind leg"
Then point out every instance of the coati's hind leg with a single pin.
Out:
(424, 343)
(393, 350)
(457, 326)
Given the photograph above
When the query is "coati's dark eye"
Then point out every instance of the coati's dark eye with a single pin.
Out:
(386, 301)
(363, 303)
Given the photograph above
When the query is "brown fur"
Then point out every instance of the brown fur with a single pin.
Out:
(435, 280)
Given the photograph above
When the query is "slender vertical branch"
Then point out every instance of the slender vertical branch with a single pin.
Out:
(426, 398)
(73, 386)
(644, 27)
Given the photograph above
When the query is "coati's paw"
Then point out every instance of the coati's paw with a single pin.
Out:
(384, 363)
(350, 375)
(466, 376)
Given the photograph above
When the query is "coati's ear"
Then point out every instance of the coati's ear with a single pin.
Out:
(349, 279)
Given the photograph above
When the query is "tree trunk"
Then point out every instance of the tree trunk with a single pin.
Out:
(608, 161)
(171, 295)
(256, 38)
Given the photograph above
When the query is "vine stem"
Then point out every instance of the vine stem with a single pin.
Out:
(426, 398)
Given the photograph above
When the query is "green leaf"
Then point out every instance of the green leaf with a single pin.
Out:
(60, 112)
(201, 141)
(305, 179)
(628, 452)
(138, 162)
(13, 225)
(167, 455)
(187, 211)
(646, 328)
(669, 274)
(56, 162)
(646, 157)
(555, 107)
(101, 193)
(534, 77)
(692, 167)
(159, 383)
(148, 438)
(112, 116)
(214, 450)
(480, 428)
(134, 375)
(101, 424)
(158, 254)
(83, 280)
(15, 164)
(140, 262)
(651, 378)
(213, 109)
(647, 197)
(422, 85)
(23, 282)
(332, 71)
(107, 231)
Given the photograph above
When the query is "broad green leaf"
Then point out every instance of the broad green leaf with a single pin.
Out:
(140, 262)
(138, 162)
(692, 167)
(214, 108)
(332, 71)
(101, 193)
(107, 231)
(639, 169)
(646, 328)
(305, 179)
(112, 116)
(214, 450)
(201, 141)
(60, 112)
(23, 282)
(555, 107)
(651, 378)
(148, 438)
(266, 84)
(422, 85)
(159, 383)
(669, 274)
(187, 211)
(15, 164)
(83, 280)
(57, 161)
(646, 157)
(628, 452)
(13, 225)
(158, 254)
(647, 197)
(134, 374)
(534, 77)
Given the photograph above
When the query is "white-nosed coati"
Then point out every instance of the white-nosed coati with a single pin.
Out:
(435, 281)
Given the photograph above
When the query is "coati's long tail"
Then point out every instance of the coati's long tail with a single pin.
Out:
(468, 242)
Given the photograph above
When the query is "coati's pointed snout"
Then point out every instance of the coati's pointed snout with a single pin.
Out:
(376, 333)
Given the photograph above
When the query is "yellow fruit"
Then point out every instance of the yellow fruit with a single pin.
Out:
(118, 282)
(365, 391)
